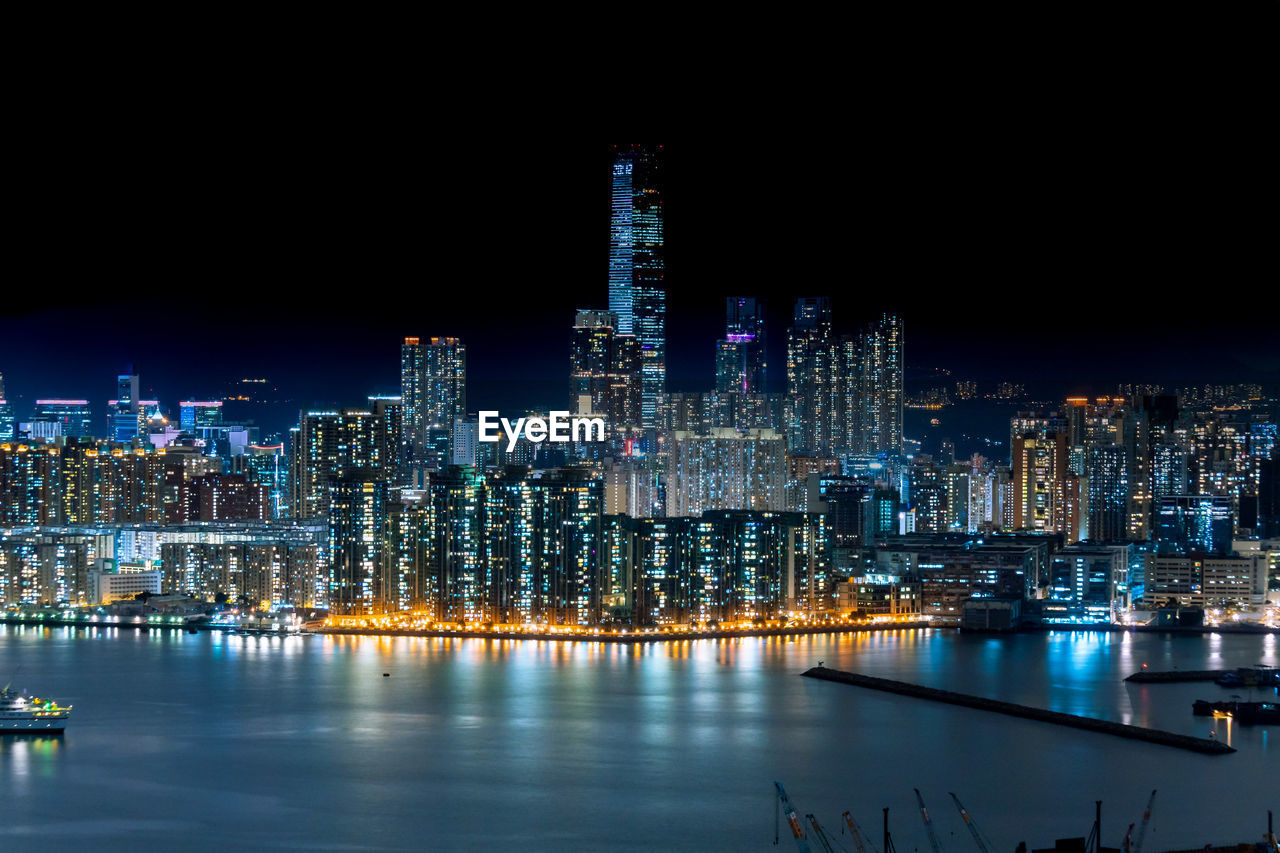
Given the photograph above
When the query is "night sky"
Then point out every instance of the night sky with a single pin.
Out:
(1077, 263)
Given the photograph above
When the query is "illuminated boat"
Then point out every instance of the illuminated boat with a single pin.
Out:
(21, 714)
(1249, 713)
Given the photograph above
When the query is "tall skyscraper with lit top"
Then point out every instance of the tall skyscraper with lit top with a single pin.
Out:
(637, 265)
(740, 355)
(6, 415)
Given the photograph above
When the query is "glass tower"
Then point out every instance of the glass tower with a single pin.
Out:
(637, 291)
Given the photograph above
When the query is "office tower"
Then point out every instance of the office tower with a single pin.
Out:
(267, 466)
(726, 470)
(125, 411)
(357, 527)
(650, 308)
(741, 354)
(848, 503)
(1201, 524)
(1039, 482)
(8, 425)
(604, 371)
(1108, 472)
(1084, 582)
(193, 414)
(811, 388)
(636, 228)
(71, 418)
(1203, 580)
(1269, 498)
(433, 389)
(637, 290)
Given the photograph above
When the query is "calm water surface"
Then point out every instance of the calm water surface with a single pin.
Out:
(204, 742)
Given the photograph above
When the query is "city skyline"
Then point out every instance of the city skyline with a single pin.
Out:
(580, 498)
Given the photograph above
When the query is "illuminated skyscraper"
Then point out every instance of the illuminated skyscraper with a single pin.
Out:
(810, 377)
(7, 423)
(1039, 482)
(433, 388)
(124, 413)
(193, 414)
(329, 444)
(637, 265)
(604, 370)
(73, 417)
(1195, 524)
(1107, 467)
(882, 385)
(357, 527)
(740, 355)
(726, 470)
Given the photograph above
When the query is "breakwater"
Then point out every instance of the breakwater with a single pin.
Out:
(902, 688)
(1147, 676)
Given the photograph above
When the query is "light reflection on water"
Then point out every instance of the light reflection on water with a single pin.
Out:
(587, 745)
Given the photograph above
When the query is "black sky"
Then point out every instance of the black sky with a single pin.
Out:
(1069, 253)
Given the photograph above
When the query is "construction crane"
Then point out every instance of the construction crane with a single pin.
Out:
(928, 824)
(797, 831)
(1146, 819)
(856, 832)
(819, 834)
(973, 827)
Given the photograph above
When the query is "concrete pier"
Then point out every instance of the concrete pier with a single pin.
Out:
(1147, 676)
(902, 688)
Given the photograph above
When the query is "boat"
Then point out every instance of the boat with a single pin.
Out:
(21, 714)
(1248, 713)
(1250, 676)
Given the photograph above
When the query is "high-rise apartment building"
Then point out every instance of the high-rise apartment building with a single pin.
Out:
(1040, 482)
(357, 537)
(881, 387)
(726, 470)
(328, 444)
(811, 391)
(433, 389)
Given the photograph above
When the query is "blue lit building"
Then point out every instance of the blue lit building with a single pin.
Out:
(193, 414)
(72, 416)
(1084, 582)
(637, 265)
(7, 425)
(1201, 524)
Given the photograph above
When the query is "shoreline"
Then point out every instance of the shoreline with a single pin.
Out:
(629, 639)
(641, 636)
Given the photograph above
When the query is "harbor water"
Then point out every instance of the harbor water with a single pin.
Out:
(215, 742)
